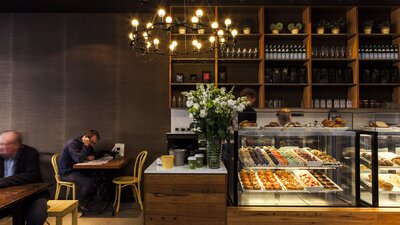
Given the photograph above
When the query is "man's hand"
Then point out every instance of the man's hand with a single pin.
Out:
(90, 157)
(86, 141)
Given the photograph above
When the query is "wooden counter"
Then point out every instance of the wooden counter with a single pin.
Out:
(181, 196)
(312, 215)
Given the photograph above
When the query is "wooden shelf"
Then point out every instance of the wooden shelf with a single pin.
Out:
(333, 60)
(239, 84)
(379, 84)
(193, 60)
(248, 36)
(253, 70)
(186, 84)
(287, 60)
(380, 60)
(245, 60)
(334, 84)
(379, 36)
(287, 84)
(333, 36)
(286, 36)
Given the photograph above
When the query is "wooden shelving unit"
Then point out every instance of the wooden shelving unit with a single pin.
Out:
(249, 72)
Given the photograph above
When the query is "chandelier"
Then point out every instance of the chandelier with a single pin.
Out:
(146, 43)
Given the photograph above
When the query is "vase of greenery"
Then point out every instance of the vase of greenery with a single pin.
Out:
(213, 110)
(276, 27)
(368, 24)
(294, 29)
(321, 25)
(384, 27)
(337, 25)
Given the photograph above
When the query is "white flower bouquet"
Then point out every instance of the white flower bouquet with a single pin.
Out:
(213, 109)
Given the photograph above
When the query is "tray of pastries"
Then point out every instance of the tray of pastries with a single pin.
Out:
(324, 157)
(385, 159)
(289, 180)
(249, 181)
(309, 158)
(309, 181)
(381, 126)
(292, 158)
(327, 183)
(383, 181)
(269, 180)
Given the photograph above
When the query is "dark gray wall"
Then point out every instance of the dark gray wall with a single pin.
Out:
(63, 73)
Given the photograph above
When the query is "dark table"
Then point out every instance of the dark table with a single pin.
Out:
(102, 179)
(12, 197)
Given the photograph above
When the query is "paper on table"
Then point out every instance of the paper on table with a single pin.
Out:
(99, 161)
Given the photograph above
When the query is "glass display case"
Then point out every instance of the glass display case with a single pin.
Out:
(295, 165)
(379, 157)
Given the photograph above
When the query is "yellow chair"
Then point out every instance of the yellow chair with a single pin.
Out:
(133, 181)
(60, 208)
(61, 183)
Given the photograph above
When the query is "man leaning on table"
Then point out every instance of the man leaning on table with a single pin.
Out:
(78, 150)
(19, 165)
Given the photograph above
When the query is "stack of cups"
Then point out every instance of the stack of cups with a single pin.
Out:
(196, 161)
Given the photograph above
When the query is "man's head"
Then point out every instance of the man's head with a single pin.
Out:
(284, 116)
(10, 143)
(93, 136)
(250, 94)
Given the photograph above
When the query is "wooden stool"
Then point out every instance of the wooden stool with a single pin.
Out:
(60, 208)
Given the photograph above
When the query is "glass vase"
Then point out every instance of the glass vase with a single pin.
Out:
(214, 151)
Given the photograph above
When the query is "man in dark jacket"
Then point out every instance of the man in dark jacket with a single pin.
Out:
(19, 165)
(78, 150)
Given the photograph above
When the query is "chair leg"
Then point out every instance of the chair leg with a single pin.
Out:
(119, 198)
(75, 217)
(56, 195)
(139, 196)
(67, 193)
(134, 193)
(116, 195)
(59, 220)
(73, 192)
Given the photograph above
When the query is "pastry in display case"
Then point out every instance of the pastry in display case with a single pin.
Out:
(294, 167)
(379, 140)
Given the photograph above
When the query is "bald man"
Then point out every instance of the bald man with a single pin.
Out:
(19, 165)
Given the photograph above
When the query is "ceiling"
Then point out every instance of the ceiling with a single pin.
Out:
(116, 6)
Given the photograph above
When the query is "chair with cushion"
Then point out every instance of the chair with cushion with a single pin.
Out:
(133, 181)
(61, 183)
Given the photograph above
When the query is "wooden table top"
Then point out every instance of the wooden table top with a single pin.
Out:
(111, 165)
(10, 195)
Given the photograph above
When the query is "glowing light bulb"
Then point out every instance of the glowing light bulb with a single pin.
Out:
(212, 39)
(195, 19)
(172, 47)
(194, 42)
(174, 43)
(148, 44)
(168, 19)
(156, 41)
(149, 25)
(198, 46)
(214, 25)
(145, 35)
(161, 13)
(234, 32)
(131, 36)
(199, 13)
(135, 22)
(220, 33)
(228, 22)
(222, 40)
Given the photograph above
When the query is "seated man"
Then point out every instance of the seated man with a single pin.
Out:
(75, 151)
(19, 164)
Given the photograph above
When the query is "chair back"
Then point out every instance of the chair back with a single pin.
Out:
(139, 163)
(54, 159)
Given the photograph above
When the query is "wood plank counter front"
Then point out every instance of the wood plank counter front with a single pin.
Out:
(312, 215)
(181, 196)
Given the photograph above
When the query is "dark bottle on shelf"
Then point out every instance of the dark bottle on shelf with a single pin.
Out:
(361, 52)
(396, 52)
(304, 56)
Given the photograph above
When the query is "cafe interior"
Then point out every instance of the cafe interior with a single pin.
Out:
(98, 109)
